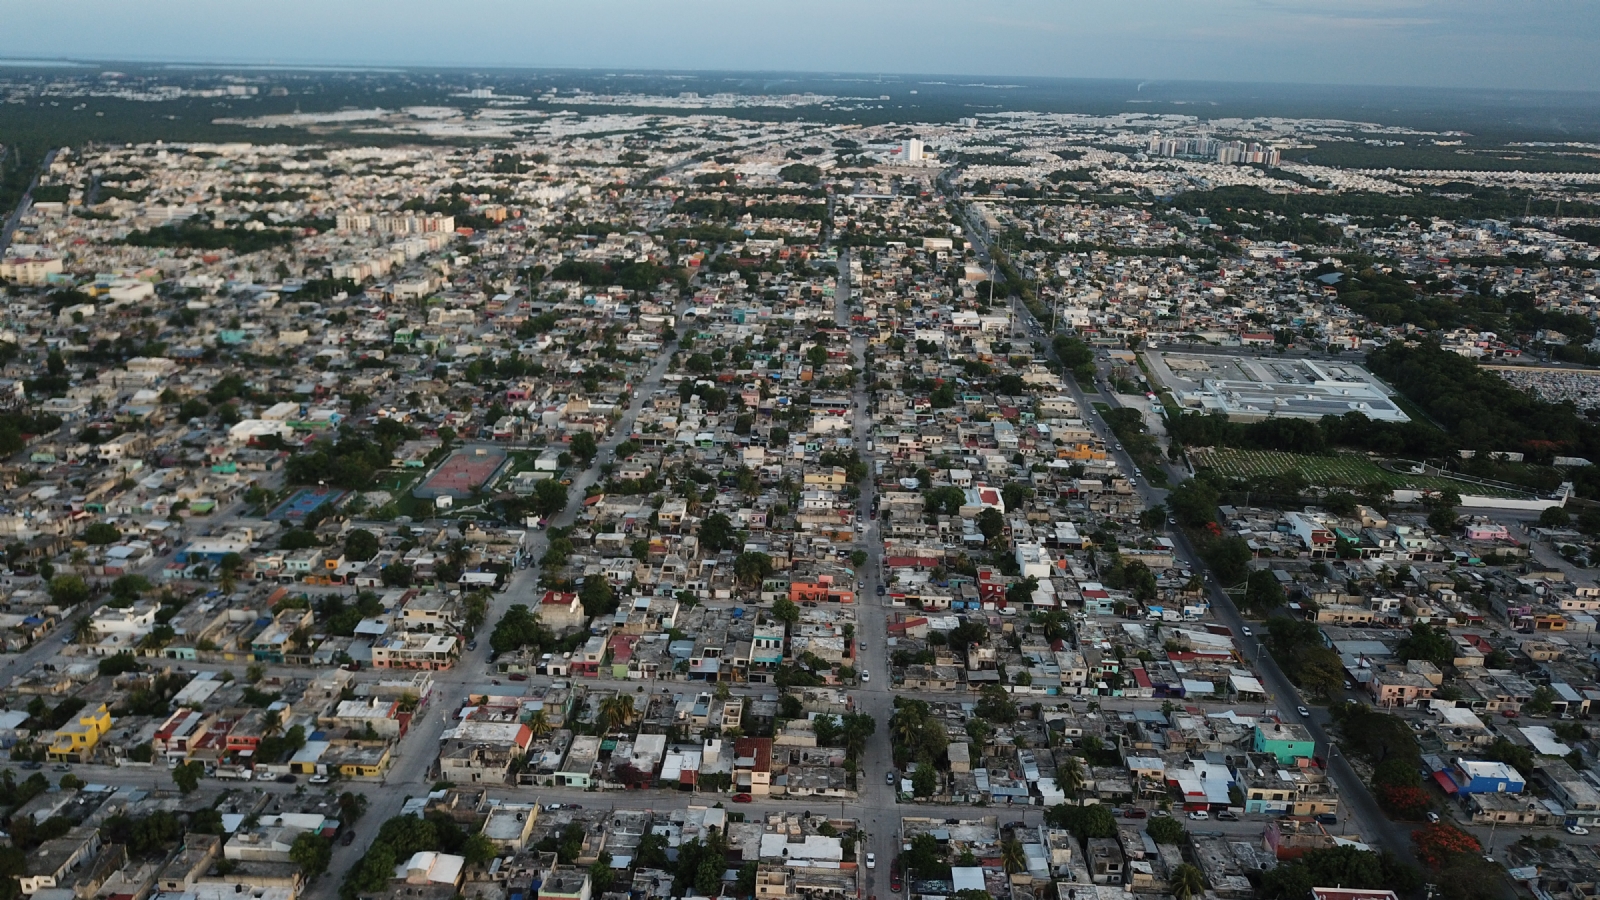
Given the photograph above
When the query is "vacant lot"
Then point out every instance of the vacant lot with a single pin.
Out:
(1343, 470)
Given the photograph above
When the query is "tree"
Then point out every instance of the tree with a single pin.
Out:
(187, 776)
(718, 534)
(1436, 843)
(1084, 822)
(1427, 642)
(360, 545)
(752, 567)
(68, 590)
(1165, 830)
(617, 711)
(128, 588)
(991, 523)
(597, 597)
(995, 705)
(1554, 517)
(479, 850)
(1187, 882)
(600, 872)
(785, 611)
(101, 533)
(584, 447)
(924, 781)
(312, 853)
(1012, 857)
(1542, 701)
(1263, 593)
(84, 632)
(1229, 558)
(549, 497)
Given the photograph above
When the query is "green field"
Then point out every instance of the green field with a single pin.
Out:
(1343, 470)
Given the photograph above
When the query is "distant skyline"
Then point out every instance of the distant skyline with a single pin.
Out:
(1484, 44)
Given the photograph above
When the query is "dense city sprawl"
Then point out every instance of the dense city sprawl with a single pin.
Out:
(653, 502)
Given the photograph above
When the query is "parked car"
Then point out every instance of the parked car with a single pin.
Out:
(1138, 812)
(319, 779)
(62, 767)
(30, 765)
(1200, 814)
(1226, 816)
(1433, 818)
(1304, 713)
(1327, 819)
(472, 645)
(348, 839)
(881, 590)
(889, 777)
(872, 860)
(1246, 630)
(287, 779)
(1577, 829)
(865, 676)
(742, 798)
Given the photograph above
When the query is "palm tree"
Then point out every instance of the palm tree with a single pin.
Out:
(271, 722)
(84, 632)
(1012, 857)
(1070, 770)
(538, 724)
(1187, 882)
(617, 711)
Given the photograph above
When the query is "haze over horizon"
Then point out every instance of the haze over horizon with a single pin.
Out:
(1477, 44)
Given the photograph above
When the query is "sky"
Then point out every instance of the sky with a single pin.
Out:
(1518, 44)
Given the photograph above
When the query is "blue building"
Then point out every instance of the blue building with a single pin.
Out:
(1485, 777)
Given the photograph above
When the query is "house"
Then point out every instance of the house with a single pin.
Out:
(49, 865)
(1284, 740)
(75, 741)
(1485, 777)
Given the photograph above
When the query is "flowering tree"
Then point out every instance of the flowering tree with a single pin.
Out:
(1403, 801)
(1437, 843)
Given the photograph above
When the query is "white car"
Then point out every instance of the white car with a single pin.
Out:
(1246, 630)
(1304, 713)
(865, 676)
(319, 779)
(1200, 814)
(1577, 829)
(872, 860)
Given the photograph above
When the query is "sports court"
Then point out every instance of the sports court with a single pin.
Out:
(461, 473)
(301, 503)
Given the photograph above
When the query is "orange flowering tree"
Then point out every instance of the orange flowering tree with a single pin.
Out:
(1403, 801)
(1437, 843)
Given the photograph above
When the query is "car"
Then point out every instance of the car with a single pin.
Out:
(742, 798)
(1200, 814)
(472, 645)
(894, 879)
(287, 779)
(30, 765)
(881, 590)
(519, 677)
(319, 779)
(865, 676)
(1577, 829)
(62, 767)
(872, 860)
(1226, 816)
(1433, 818)
(1509, 713)
(889, 777)
(1246, 630)
(348, 839)
(554, 806)
(1349, 686)
(1138, 812)
(1327, 819)
(1304, 713)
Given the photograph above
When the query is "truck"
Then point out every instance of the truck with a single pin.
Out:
(234, 773)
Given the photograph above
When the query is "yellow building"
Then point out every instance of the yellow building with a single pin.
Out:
(74, 742)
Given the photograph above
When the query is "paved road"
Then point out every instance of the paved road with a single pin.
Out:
(1356, 802)
(23, 203)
